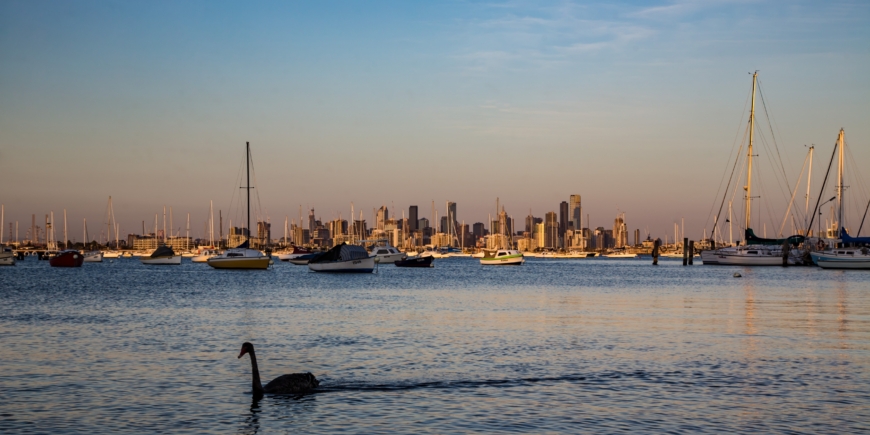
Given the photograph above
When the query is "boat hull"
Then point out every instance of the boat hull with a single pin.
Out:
(828, 261)
(389, 258)
(67, 259)
(506, 261)
(416, 262)
(363, 265)
(7, 259)
(239, 262)
(201, 258)
(161, 261)
(93, 257)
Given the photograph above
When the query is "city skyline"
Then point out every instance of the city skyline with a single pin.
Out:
(634, 106)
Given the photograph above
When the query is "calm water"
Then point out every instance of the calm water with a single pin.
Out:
(549, 347)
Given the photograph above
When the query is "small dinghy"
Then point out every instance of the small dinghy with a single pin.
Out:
(343, 258)
(416, 262)
(302, 260)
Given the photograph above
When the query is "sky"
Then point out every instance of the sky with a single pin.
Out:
(636, 106)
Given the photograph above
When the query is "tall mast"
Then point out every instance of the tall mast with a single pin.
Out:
(248, 188)
(211, 222)
(840, 223)
(749, 155)
(809, 182)
(65, 238)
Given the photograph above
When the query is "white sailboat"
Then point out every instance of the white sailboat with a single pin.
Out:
(505, 255)
(755, 251)
(842, 257)
(242, 256)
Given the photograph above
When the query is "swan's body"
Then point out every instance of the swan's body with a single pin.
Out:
(294, 383)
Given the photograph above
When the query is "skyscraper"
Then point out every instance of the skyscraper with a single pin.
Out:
(412, 218)
(451, 218)
(563, 219)
(576, 211)
(551, 230)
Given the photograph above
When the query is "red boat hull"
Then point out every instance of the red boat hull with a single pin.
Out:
(67, 259)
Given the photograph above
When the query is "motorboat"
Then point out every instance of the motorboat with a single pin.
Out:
(7, 257)
(204, 255)
(547, 254)
(303, 259)
(387, 254)
(620, 254)
(112, 254)
(416, 262)
(67, 258)
(93, 257)
(343, 258)
(502, 257)
(163, 255)
(478, 254)
(292, 253)
(843, 258)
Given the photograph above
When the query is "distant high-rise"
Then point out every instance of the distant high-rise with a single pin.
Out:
(422, 223)
(551, 230)
(479, 230)
(563, 219)
(620, 232)
(451, 218)
(311, 224)
(412, 218)
(382, 217)
(575, 211)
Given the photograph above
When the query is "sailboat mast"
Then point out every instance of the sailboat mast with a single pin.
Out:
(749, 155)
(840, 223)
(248, 186)
(809, 182)
(65, 238)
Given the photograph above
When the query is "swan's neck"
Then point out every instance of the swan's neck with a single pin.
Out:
(255, 374)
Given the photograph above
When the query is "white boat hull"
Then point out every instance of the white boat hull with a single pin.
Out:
(834, 261)
(363, 265)
(621, 256)
(93, 257)
(389, 258)
(111, 254)
(7, 259)
(201, 258)
(166, 261)
(744, 256)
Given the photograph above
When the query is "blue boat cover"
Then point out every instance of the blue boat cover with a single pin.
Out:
(849, 239)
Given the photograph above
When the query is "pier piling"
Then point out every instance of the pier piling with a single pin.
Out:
(691, 251)
(785, 249)
(655, 252)
(685, 251)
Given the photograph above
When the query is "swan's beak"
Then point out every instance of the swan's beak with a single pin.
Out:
(243, 352)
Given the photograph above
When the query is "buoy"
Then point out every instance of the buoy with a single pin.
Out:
(737, 275)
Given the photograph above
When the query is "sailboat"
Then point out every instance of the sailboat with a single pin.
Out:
(755, 251)
(242, 256)
(502, 256)
(843, 257)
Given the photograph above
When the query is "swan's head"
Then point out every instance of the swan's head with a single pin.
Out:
(246, 348)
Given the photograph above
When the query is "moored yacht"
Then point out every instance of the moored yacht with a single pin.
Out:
(163, 255)
(343, 258)
(93, 257)
(387, 254)
(7, 256)
(502, 257)
(290, 254)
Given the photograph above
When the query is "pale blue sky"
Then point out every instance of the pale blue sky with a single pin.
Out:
(630, 104)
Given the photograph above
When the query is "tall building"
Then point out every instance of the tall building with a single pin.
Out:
(382, 217)
(412, 218)
(551, 230)
(563, 219)
(575, 211)
(478, 230)
(637, 241)
(620, 232)
(311, 224)
(451, 218)
(264, 233)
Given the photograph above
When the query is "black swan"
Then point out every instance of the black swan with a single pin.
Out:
(295, 383)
